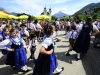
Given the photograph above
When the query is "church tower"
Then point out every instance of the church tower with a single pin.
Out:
(45, 10)
(50, 11)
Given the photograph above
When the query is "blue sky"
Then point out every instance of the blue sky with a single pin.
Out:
(35, 7)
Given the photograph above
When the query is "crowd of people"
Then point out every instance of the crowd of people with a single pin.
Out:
(19, 36)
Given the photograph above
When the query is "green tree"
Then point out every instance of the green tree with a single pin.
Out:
(64, 18)
(82, 16)
(95, 16)
(31, 18)
(54, 18)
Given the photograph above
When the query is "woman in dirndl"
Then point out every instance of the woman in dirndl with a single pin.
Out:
(82, 43)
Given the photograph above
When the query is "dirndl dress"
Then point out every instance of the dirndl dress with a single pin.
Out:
(17, 58)
(82, 43)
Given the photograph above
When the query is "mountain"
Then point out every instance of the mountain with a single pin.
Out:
(60, 14)
(89, 9)
(2, 9)
(13, 13)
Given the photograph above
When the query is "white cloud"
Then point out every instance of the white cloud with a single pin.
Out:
(56, 1)
(35, 6)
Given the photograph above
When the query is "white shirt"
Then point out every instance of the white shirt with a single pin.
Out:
(79, 28)
(54, 34)
(1, 27)
(73, 34)
(24, 32)
(6, 42)
(31, 26)
(95, 27)
(98, 25)
(47, 42)
(68, 23)
(33, 43)
(57, 23)
(38, 27)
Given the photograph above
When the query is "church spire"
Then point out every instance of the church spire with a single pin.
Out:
(45, 10)
(50, 10)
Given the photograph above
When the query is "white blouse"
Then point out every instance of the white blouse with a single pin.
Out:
(32, 43)
(54, 34)
(47, 42)
(24, 32)
(6, 42)
(73, 34)
(79, 28)
(98, 25)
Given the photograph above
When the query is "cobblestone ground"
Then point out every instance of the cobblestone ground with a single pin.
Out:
(89, 65)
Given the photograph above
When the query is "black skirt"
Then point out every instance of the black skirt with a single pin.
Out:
(42, 66)
(10, 59)
(82, 43)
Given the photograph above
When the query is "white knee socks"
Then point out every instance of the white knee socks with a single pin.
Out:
(78, 55)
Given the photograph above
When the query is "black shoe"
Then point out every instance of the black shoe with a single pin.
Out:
(78, 59)
(67, 54)
(14, 68)
(25, 70)
(31, 58)
(35, 61)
